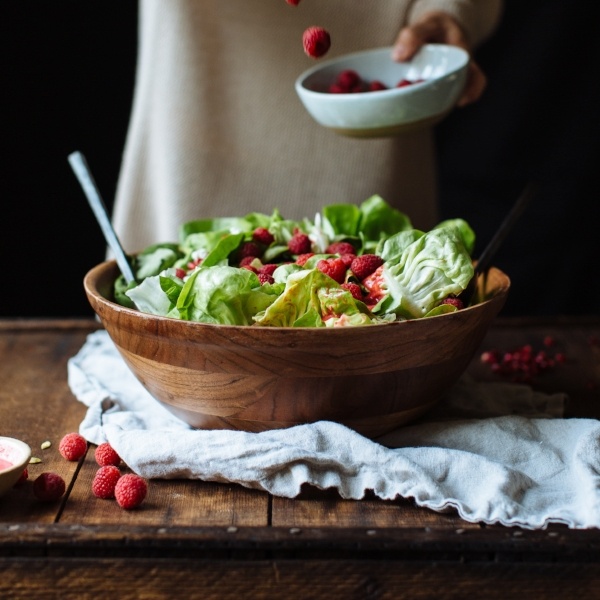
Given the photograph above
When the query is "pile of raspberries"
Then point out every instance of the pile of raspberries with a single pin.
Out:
(129, 490)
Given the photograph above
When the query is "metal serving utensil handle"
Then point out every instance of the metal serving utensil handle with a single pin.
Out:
(84, 175)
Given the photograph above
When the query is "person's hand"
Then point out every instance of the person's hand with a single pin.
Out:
(441, 28)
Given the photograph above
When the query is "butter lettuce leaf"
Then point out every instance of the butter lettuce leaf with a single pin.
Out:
(224, 295)
(313, 299)
(430, 269)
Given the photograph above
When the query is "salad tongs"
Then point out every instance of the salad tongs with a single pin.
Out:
(485, 258)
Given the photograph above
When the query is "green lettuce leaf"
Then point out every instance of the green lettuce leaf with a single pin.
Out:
(431, 268)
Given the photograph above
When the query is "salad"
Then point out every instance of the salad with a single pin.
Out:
(350, 266)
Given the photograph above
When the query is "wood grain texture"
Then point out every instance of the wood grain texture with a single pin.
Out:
(208, 540)
(372, 379)
(154, 578)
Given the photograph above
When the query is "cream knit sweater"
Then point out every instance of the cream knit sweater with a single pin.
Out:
(217, 129)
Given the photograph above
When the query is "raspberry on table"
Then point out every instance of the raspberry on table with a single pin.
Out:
(365, 264)
(105, 480)
(334, 267)
(316, 41)
(22, 478)
(130, 491)
(293, 2)
(106, 455)
(73, 446)
(49, 487)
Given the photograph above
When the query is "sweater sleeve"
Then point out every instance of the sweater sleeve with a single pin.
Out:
(479, 18)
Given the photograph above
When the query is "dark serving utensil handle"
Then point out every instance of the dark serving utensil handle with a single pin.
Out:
(486, 257)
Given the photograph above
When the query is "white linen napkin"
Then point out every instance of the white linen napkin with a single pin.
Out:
(494, 452)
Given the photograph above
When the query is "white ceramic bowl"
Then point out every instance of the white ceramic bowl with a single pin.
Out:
(17, 453)
(395, 110)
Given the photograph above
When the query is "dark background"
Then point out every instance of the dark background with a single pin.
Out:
(67, 73)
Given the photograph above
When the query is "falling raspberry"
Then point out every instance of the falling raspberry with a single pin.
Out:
(316, 42)
(73, 446)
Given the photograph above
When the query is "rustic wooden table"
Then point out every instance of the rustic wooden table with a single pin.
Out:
(195, 539)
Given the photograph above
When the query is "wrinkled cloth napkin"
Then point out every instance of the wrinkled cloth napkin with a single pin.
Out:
(494, 452)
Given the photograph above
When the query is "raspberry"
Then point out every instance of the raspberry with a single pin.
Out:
(181, 273)
(261, 235)
(302, 258)
(105, 480)
(73, 446)
(23, 477)
(247, 261)
(299, 243)
(376, 86)
(193, 264)
(348, 258)
(130, 491)
(106, 455)
(348, 79)
(249, 249)
(293, 2)
(354, 289)
(49, 487)
(454, 301)
(316, 41)
(362, 266)
(265, 278)
(334, 267)
(268, 269)
(340, 248)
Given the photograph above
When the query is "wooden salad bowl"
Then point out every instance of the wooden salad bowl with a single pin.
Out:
(371, 378)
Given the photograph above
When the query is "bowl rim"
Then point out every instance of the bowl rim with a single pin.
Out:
(92, 290)
(301, 79)
(22, 448)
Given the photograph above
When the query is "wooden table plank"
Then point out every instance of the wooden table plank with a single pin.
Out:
(171, 503)
(325, 508)
(224, 541)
